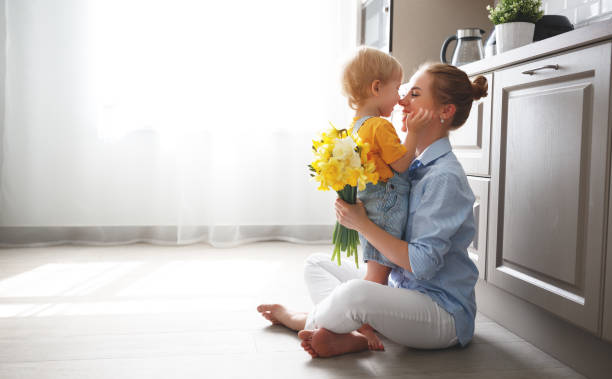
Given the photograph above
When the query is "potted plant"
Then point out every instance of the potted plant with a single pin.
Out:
(514, 22)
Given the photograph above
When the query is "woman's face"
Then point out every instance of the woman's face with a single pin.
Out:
(420, 95)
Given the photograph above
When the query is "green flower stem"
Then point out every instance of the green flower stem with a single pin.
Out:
(345, 239)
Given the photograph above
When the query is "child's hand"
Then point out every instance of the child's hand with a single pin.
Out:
(415, 122)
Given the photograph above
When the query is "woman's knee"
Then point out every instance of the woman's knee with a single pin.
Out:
(315, 259)
(353, 294)
(312, 264)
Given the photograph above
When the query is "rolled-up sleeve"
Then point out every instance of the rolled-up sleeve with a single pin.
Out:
(443, 207)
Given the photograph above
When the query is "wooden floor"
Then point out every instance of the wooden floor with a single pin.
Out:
(143, 311)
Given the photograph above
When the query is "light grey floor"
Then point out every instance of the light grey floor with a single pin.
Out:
(143, 311)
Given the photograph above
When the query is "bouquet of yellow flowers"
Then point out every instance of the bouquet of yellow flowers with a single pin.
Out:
(341, 163)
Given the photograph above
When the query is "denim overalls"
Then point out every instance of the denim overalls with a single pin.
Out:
(387, 206)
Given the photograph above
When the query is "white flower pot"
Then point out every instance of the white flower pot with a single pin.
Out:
(513, 34)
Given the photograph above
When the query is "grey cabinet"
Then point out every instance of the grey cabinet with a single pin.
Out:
(549, 170)
(472, 142)
(478, 249)
(472, 146)
(607, 311)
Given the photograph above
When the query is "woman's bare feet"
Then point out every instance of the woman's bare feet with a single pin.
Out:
(279, 315)
(306, 337)
(373, 342)
(323, 343)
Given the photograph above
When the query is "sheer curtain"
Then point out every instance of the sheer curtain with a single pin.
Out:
(168, 121)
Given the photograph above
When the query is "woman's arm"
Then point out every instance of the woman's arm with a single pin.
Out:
(354, 216)
(403, 163)
(414, 124)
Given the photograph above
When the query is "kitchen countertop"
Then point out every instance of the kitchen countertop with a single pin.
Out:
(587, 35)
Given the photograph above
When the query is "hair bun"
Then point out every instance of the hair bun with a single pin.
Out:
(479, 87)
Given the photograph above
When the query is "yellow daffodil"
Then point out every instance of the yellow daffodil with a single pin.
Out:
(342, 163)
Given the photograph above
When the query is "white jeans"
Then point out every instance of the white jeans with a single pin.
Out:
(344, 301)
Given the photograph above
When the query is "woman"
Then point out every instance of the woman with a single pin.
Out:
(429, 302)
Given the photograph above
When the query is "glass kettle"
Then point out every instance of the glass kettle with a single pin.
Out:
(468, 48)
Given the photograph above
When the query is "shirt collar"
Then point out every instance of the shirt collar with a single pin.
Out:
(434, 151)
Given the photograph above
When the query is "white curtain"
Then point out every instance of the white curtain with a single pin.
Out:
(170, 121)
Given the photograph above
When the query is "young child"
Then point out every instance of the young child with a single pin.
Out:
(370, 81)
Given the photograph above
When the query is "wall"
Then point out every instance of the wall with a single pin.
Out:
(580, 12)
(421, 26)
(2, 78)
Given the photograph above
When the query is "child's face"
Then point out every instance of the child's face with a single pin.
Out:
(388, 95)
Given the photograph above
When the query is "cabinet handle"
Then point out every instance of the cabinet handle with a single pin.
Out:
(531, 72)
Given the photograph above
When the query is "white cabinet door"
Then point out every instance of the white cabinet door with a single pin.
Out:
(478, 249)
(607, 311)
(548, 182)
(472, 141)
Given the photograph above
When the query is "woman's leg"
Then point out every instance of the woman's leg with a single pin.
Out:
(407, 317)
(322, 275)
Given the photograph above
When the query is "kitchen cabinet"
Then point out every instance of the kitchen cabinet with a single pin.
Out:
(478, 249)
(549, 237)
(471, 144)
(607, 311)
(549, 184)
(472, 141)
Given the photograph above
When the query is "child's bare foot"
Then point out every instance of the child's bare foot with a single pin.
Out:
(374, 342)
(323, 343)
(279, 315)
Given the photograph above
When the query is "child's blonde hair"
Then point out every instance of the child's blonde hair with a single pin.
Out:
(366, 66)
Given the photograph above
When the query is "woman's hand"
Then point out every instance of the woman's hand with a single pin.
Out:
(415, 122)
(353, 216)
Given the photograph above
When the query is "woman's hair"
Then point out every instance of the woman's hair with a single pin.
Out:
(366, 66)
(452, 86)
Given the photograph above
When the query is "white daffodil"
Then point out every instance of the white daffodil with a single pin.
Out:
(344, 148)
(355, 160)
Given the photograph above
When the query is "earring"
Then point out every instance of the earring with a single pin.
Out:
(441, 120)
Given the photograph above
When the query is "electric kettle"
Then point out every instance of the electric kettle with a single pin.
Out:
(468, 48)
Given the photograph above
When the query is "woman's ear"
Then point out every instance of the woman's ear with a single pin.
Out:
(448, 111)
(375, 87)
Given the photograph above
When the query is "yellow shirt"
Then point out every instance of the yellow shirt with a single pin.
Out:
(385, 145)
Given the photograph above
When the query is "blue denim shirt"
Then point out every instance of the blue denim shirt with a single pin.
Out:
(439, 230)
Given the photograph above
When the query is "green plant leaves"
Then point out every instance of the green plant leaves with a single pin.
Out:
(515, 11)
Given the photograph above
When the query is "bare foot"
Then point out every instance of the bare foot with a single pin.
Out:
(373, 342)
(323, 343)
(306, 337)
(279, 315)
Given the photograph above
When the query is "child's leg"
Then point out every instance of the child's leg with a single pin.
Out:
(377, 273)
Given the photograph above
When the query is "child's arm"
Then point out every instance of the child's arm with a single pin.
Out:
(414, 124)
